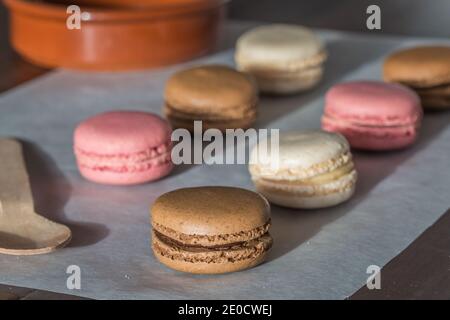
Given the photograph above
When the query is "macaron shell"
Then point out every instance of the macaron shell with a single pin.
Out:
(120, 132)
(279, 47)
(301, 154)
(211, 211)
(419, 67)
(210, 268)
(373, 103)
(208, 89)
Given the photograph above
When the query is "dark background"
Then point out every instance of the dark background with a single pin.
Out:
(430, 18)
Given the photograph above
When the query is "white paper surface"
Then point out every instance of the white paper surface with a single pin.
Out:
(319, 254)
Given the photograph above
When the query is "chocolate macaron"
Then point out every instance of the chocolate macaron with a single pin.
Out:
(426, 69)
(219, 96)
(211, 230)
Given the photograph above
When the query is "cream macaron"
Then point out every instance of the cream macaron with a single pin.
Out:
(312, 169)
(284, 59)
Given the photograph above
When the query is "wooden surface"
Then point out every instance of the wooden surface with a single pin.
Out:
(17, 293)
(421, 271)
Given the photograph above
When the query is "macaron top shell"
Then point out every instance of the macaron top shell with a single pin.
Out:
(280, 45)
(302, 154)
(211, 211)
(419, 66)
(373, 103)
(212, 86)
(116, 132)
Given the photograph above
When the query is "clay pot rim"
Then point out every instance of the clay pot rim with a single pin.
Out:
(47, 10)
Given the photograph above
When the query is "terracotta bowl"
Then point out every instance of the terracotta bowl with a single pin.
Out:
(115, 34)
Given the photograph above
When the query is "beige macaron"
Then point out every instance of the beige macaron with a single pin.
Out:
(211, 229)
(219, 96)
(284, 59)
(312, 169)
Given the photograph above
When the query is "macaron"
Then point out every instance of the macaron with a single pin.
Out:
(219, 96)
(373, 115)
(123, 147)
(312, 169)
(211, 230)
(426, 69)
(284, 59)
(436, 98)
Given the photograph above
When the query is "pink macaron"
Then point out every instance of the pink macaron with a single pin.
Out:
(373, 115)
(123, 147)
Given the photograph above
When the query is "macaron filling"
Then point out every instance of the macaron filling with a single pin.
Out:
(210, 115)
(134, 162)
(212, 240)
(435, 97)
(406, 128)
(297, 173)
(323, 177)
(338, 180)
(232, 252)
(357, 133)
(289, 67)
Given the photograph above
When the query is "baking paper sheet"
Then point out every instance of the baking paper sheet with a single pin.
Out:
(319, 254)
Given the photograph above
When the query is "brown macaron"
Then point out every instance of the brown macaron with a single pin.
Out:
(425, 69)
(219, 96)
(435, 98)
(210, 230)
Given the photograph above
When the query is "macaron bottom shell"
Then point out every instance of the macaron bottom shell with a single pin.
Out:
(106, 176)
(210, 260)
(437, 98)
(373, 137)
(322, 191)
(436, 103)
(178, 121)
(292, 200)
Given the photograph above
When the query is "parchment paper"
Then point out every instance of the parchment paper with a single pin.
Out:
(317, 254)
